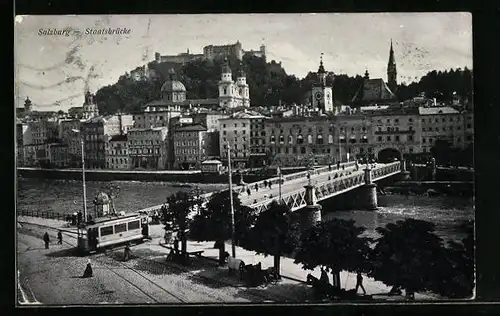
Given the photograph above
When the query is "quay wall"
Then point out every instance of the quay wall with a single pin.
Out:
(194, 176)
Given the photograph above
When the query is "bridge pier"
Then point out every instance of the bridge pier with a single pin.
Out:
(405, 174)
(369, 192)
(311, 213)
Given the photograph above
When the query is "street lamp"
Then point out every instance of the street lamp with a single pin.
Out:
(83, 175)
(233, 232)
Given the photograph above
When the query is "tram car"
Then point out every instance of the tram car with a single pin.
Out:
(112, 230)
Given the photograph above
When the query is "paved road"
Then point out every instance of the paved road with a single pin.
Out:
(292, 185)
(53, 276)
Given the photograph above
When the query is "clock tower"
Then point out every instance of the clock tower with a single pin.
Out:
(322, 95)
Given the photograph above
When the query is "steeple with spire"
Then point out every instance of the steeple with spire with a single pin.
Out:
(321, 72)
(322, 95)
(392, 72)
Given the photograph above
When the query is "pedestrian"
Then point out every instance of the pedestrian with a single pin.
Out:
(126, 253)
(88, 273)
(46, 239)
(176, 245)
(329, 167)
(324, 276)
(359, 283)
(265, 183)
(329, 178)
(248, 191)
(269, 184)
(256, 187)
(59, 238)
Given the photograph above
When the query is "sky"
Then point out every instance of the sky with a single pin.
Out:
(54, 71)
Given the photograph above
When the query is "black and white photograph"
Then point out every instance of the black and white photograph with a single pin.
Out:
(244, 159)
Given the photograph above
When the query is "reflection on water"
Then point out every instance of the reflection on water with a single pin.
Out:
(447, 213)
(66, 195)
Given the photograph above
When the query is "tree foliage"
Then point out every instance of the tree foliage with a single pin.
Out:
(214, 221)
(407, 255)
(275, 232)
(336, 245)
(268, 82)
(454, 277)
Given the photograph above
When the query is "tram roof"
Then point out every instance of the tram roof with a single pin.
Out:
(109, 218)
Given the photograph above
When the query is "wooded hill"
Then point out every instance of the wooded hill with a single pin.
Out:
(269, 84)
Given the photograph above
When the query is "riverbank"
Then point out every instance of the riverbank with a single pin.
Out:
(183, 176)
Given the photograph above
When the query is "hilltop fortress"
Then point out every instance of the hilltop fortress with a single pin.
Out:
(211, 52)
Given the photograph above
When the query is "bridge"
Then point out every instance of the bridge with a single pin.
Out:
(325, 182)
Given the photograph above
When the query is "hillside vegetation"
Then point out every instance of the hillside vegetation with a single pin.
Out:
(269, 84)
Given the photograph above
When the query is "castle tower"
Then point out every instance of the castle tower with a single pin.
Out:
(367, 75)
(227, 87)
(392, 73)
(28, 106)
(321, 93)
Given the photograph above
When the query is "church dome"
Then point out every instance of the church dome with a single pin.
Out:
(173, 86)
(102, 198)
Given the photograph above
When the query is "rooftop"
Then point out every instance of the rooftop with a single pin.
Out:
(246, 114)
(437, 110)
(118, 138)
(373, 90)
(190, 128)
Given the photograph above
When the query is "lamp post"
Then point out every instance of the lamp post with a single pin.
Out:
(83, 175)
(233, 232)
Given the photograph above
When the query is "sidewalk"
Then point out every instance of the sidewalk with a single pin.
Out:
(288, 269)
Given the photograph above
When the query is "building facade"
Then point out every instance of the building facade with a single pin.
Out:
(117, 155)
(147, 148)
(189, 144)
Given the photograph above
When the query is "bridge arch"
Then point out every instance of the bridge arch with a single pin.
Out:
(388, 155)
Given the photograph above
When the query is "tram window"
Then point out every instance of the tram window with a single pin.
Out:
(119, 228)
(108, 230)
(134, 225)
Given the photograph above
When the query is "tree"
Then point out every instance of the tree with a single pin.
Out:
(214, 221)
(275, 232)
(336, 245)
(455, 274)
(406, 255)
(176, 215)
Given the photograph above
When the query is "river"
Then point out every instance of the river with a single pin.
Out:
(66, 196)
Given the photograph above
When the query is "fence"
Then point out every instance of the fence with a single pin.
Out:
(43, 214)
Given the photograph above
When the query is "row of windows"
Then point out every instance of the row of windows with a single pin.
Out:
(436, 120)
(450, 128)
(144, 151)
(396, 138)
(236, 132)
(192, 151)
(186, 134)
(189, 143)
(118, 152)
(394, 129)
(235, 125)
(144, 142)
(235, 139)
(119, 228)
(119, 160)
(236, 147)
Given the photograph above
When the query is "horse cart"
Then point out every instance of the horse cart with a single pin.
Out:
(252, 275)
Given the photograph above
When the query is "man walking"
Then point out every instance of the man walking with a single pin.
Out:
(126, 253)
(46, 239)
(359, 283)
(59, 237)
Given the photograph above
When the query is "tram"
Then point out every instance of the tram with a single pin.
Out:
(112, 230)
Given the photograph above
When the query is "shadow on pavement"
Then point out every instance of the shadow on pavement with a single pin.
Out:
(67, 252)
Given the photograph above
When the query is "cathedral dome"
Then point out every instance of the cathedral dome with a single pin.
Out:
(172, 85)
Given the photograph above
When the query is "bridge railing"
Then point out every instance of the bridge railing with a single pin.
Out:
(242, 188)
(325, 189)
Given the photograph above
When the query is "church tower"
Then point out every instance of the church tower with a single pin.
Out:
(27, 105)
(227, 87)
(321, 93)
(392, 73)
(90, 109)
(243, 90)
